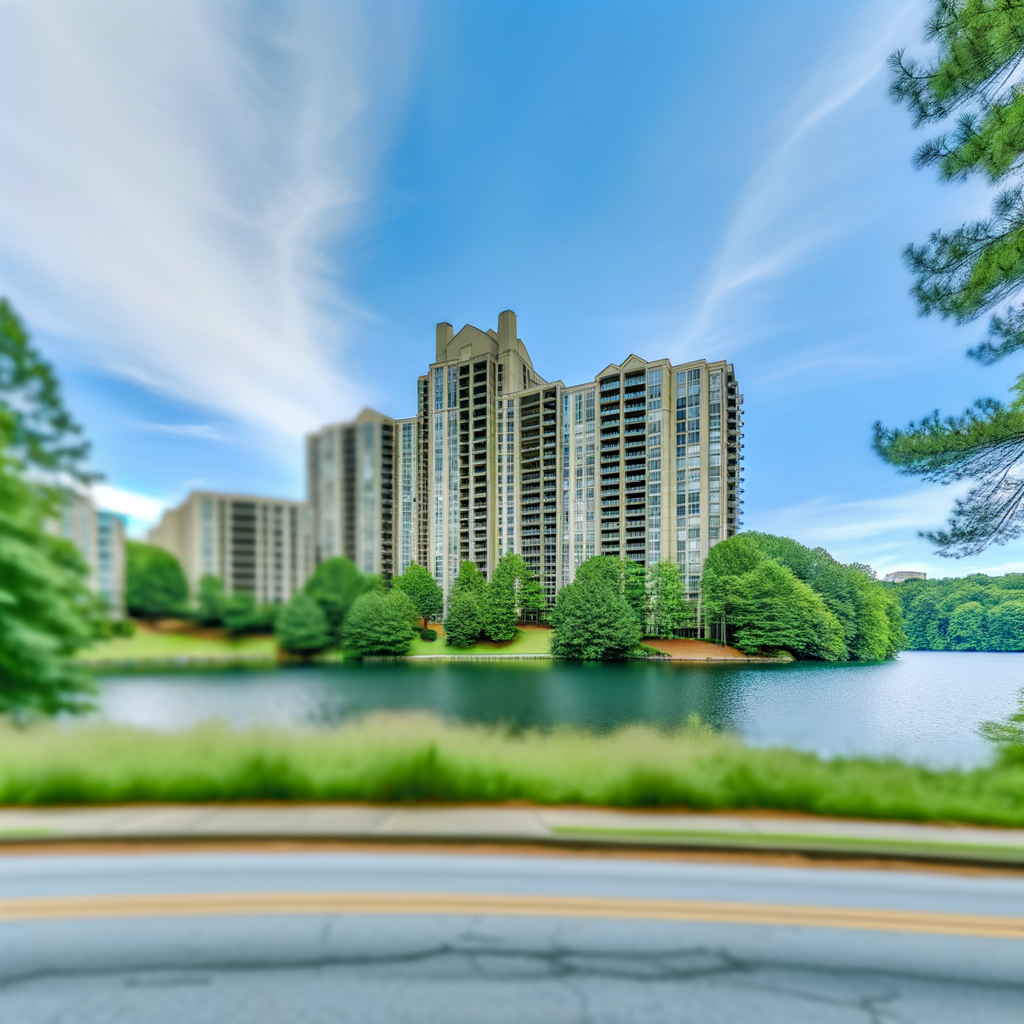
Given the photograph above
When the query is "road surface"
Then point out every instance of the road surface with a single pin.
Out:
(394, 936)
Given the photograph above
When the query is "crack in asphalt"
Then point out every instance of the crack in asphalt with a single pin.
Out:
(674, 965)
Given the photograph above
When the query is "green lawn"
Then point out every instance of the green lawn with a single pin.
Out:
(529, 641)
(147, 646)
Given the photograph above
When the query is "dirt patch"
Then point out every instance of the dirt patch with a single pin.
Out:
(696, 650)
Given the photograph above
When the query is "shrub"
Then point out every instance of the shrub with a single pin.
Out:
(380, 623)
(428, 634)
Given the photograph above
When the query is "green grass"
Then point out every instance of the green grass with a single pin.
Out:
(147, 646)
(409, 758)
(529, 641)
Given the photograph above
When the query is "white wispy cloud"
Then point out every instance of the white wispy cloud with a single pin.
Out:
(788, 210)
(207, 431)
(142, 510)
(172, 176)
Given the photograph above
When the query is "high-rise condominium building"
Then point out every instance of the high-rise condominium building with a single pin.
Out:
(99, 536)
(362, 482)
(642, 461)
(258, 546)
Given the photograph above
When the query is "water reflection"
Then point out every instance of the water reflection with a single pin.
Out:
(923, 707)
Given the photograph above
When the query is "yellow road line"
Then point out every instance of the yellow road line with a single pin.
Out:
(234, 904)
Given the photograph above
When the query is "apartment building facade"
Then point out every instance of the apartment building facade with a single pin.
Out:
(99, 536)
(642, 461)
(258, 546)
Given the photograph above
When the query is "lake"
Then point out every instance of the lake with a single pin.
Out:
(924, 707)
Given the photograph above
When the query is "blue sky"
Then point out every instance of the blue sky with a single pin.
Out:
(222, 220)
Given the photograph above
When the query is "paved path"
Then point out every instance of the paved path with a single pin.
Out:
(568, 826)
(433, 937)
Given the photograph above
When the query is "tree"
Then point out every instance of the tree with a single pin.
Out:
(973, 613)
(380, 623)
(156, 586)
(44, 603)
(498, 608)
(529, 596)
(772, 609)
(469, 581)
(512, 593)
(593, 621)
(210, 601)
(421, 588)
(301, 626)
(241, 614)
(465, 620)
(669, 609)
(335, 585)
(40, 434)
(1006, 627)
(974, 269)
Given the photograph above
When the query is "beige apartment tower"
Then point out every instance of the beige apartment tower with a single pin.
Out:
(99, 536)
(363, 489)
(642, 461)
(258, 546)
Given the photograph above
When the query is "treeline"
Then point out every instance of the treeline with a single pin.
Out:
(974, 613)
(766, 593)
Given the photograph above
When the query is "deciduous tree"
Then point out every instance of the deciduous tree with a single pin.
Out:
(593, 621)
(210, 601)
(301, 626)
(156, 586)
(421, 588)
(335, 585)
(380, 623)
(668, 608)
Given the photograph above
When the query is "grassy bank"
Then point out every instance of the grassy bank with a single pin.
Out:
(147, 645)
(417, 758)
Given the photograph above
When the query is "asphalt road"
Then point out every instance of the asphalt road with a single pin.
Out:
(400, 937)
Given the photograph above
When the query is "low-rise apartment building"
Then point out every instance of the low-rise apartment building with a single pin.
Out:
(258, 546)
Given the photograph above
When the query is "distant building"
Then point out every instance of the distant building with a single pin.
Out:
(364, 488)
(642, 461)
(98, 535)
(904, 574)
(258, 546)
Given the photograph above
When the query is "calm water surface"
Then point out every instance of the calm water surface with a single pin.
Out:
(923, 707)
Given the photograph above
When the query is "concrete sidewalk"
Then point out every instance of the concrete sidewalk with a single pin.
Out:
(551, 826)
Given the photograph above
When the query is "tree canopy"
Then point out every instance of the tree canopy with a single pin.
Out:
(335, 585)
(45, 608)
(156, 586)
(971, 87)
(301, 626)
(422, 589)
(973, 613)
(41, 434)
(736, 586)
